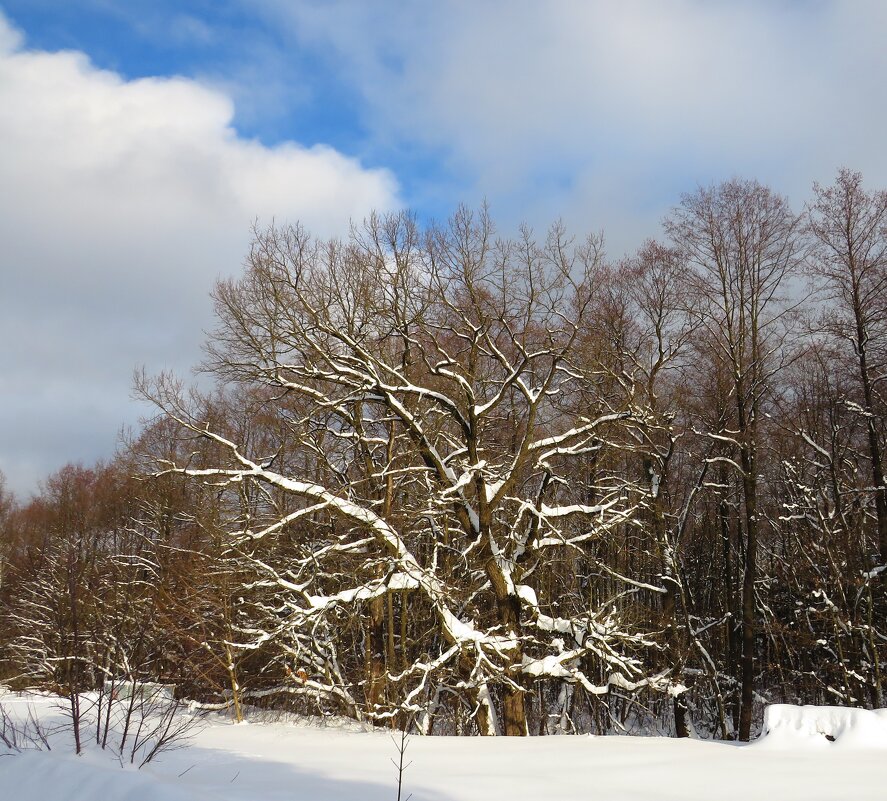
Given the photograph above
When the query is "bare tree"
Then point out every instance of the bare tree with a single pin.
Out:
(457, 483)
(743, 242)
(423, 378)
(849, 260)
(830, 645)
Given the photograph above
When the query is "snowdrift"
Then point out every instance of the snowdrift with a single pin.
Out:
(789, 726)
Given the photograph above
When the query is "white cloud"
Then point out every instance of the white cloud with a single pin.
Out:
(10, 39)
(122, 202)
(629, 97)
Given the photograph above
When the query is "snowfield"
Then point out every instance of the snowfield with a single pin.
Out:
(302, 762)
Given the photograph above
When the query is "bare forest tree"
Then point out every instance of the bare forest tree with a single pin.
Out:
(849, 230)
(430, 381)
(828, 646)
(744, 245)
(460, 483)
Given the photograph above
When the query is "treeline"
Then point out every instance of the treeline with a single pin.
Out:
(470, 484)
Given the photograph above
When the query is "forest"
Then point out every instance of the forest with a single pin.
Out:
(451, 482)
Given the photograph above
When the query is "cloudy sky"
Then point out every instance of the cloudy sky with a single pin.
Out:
(140, 140)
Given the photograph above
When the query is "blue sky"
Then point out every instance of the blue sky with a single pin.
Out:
(226, 43)
(140, 140)
(286, 86)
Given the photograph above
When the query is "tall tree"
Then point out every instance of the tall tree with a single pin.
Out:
(743, 243)
(849, 261)
(462, 348)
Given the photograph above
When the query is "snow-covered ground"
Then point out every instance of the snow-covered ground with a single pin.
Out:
(297, 762)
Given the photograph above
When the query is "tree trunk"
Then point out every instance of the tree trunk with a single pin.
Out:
(514, 713)
(376, 656)
(874, 445)
(674, 634)
(681, 717)
(747, 662)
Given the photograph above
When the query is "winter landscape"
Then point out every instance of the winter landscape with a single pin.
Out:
(443, 400)
(341, 761)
